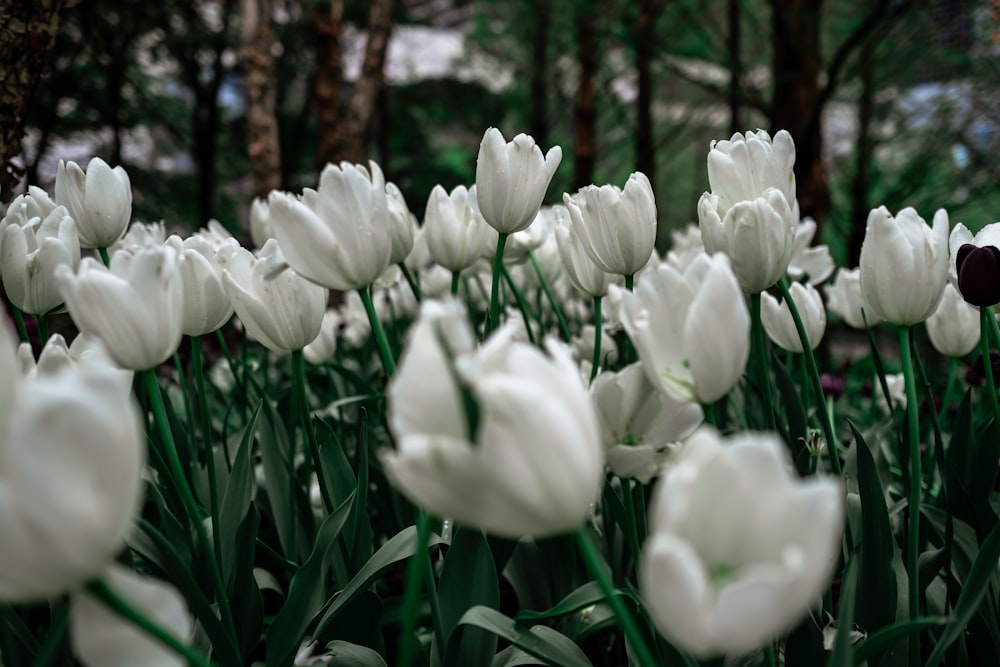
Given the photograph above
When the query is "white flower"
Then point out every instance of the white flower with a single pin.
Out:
(691, 330)
(809, 260)
(30, 255)
(324, 346)
(581, 270)
(402, 224)
(638, 423)
(511, 179)
(260, 222)
(100, 202)
(206, 305)
(135, 307)
(685, 246)
(617, 228)
(140, 235)
(742, 168)
(340, 235)
(35, 204)
(845, 300)
(904, 265)
(456, 234)
(101, 638)
(780, 326)
(504, 438)
(738, 547)
(954, 328)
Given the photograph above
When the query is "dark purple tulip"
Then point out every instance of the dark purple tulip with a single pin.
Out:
(979, 274)
(833, 385)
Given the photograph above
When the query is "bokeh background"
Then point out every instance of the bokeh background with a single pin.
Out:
(210, 103)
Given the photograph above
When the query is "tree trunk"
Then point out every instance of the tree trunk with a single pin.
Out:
(733, 15)
(861, 182)
(263, 144)
(796, 104)
(27, 34)
(584, 147)
(539, 116)
(328, 80)
(353, 132)
(645, 144)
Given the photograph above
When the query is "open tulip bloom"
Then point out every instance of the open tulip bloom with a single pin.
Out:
(594, 455)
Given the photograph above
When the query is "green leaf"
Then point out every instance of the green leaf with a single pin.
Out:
(236, 500)
(842, 647)
(401, 546)
(584, 596)
(879, 641)
(468, 578)
(306, 593)
(798, 424)
(539, 640)
(274, 450)
(346, 654)
(245, 599)
(975, 587)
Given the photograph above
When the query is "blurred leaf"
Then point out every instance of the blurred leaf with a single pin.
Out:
(539, 641)
(841, 656)
(245, 599)
(798, 423)
(879, 641)
(584, 596)
(346, 654)
(236, 500)
(274, 450)
(468, 578)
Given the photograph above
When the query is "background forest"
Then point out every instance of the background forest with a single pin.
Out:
(209, 103)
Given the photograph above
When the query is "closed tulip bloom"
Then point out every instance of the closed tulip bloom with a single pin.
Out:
(280, 309)
(975, 263)
(616, 227)
(30, 255)
(455, 233)
(70, 484)
(904, 265)
(691, 330)
(738, 548)
(206, 305)
(580, 268)
(102, 638)
(954, 328)
(845, 300)
(338, 236)
(526, 460)
(639, 423)
(743, 167)
(402, 224)
(100, 201)
(324, 346)
(511, 179)
(780, 326)
(757, 235)
(135, 307)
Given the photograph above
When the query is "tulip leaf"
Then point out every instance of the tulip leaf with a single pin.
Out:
(236, 500)
(584, 596)
(842, 646)
(305, 593)
(346, 653)
(877, 586)
(975, 587)
(798, 424)
(245, 600)
(274, 450)
(468, 577)
(879, 641)
(401, 546)
(540, 641)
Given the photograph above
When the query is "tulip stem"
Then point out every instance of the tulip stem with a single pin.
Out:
(206, 434)
(456, 277)
(563, 327)
(494, 320)
(299, 387)
(411, 595)
(383, 344)
(984, 343)
(596, 365)
(43, 329)
(411, 281)
(760, 352)
(103, 252)
(913, 510)
(817, 383)
(22, 331)
(596, 566)
(103, 593)
(522, 303)
(187, 497)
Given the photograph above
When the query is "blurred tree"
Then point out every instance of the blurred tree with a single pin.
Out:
(645, 45)
(27, 34)
(328, 18)
(585, 142)
(257, 60)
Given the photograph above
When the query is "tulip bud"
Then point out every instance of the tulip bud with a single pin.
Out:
(29, 258)
(511, 179)
(455, 233)
(979, 274)
(738, 548)
(743, 167)
(100, 202)
(206, 304)
(780, 326)
(402, 224)
(580, 268)
(845, 300)
(954, 328)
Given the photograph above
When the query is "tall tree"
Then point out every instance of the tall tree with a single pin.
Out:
(538, 123)
(328, 19)
(257, 60)
(27, 34)
(645, 144)
(585, 142)
(733, 44)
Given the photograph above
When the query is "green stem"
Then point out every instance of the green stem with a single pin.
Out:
(563, 327)
(43, 329)
(411, 281)
(299, 387)
(53, 639)
(208, 442)
(233, 368)
(411, 596)
(630, 282)
(984, 344)
(598, 330)
(913, 510)
(115, 603)
(494, 319)
(383, 344)
(456, 277)
(186, 456)
(817, 384)
(760, 352)
(8, 652)
(595, 565)
(187, 497)
(949, 388)
(769, 655)
(708, 409)
(103, 252)
(522, 302)
(19, 321)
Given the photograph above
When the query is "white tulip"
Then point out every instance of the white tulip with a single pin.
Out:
(100, 201)
(954, 328)
(582, 271)
(738, 548)
(845, 300)
(456, 234)
(324, 346)
(742, 168)
(807, 259)
(780, 326)
(402, 224)
(30, 255)
(206, 305)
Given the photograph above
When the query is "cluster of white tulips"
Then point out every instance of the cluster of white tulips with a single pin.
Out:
(556, 377)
